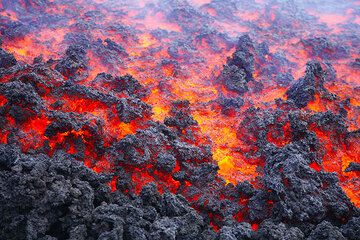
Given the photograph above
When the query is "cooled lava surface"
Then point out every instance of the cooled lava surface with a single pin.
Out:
(179, 120)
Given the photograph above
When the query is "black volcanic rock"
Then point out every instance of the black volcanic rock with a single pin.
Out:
(131, 109)
(166, 162)
(14, 29)
(6, 59)
(23, 102)
(180, 116)
(284, 79)
(60, 198)
(238, 231)
(234, 78)
(73, 62)
(353, 167)
(243, 57)
(326, 230)
(272, 230)
(230, 104)
(239, 69)
(303, 91)
(356, 63)
(109, 52)
(126, 84)
(324, 48)
(351, 230)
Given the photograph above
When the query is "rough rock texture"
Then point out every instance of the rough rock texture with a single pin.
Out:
(60, 198)
(303, 91)
(161, 182)
(6, 59)
(353, 167)
(239, 69)
(74, 62)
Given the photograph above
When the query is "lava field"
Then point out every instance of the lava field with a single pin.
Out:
(179, 120)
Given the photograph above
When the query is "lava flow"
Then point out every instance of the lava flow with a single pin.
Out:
(175, 119)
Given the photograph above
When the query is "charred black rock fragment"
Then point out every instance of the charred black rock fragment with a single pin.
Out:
(243, 57)
(299, 127)
(330, 122)
(22, 100)
(63, 122)
(79, 39)
(245, 189)
(128, 109)
(166, 162)
(238, 70)
(150, 196)
(295, 190)
(8, 156)
(326, 230)
(140, 148)
(307, 206)
(134, 150)
(109, 52)
(39, 190)
(353, 167)
(185, 152)
(131, 109)
(230, 105)
(73, 62)
(238, 231)
(6, 59)
(284, 79)
(234, 79)
(259, 207)
(272, 230)
(180, 116)
(21, 94)
(203, 173)
(77, 90)
(14, 29)
(303, 91)
(324, 48)
(126, 84)
(38, 60)
(185, 15)
(356, 63)
(351, 230)
(57, 104)
(129, 84)
(114, 46)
